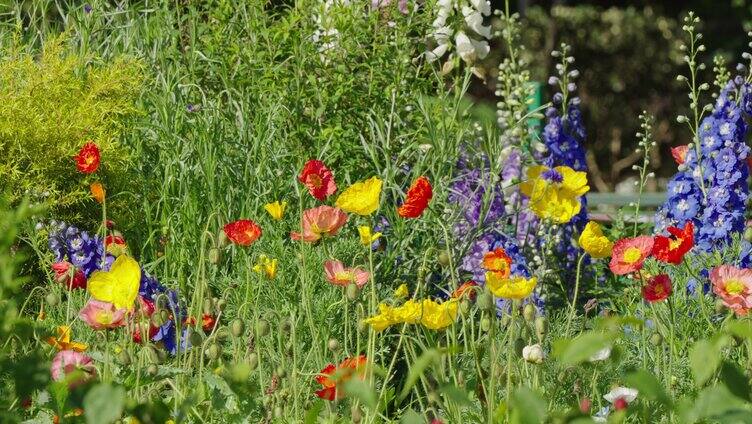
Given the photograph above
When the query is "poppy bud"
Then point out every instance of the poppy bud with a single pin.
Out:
(585, 405)
(52, 299)
(164, 315)
(333, 345)
(237, 328)
(214, 256)
(286, 326)
(208, 306)
(124, 358)
(444, 258)
(656, 339)
(281, 372)
(486, 302)
(221, 303)
(151, 355)
(352, 291)
(719, 306)
(195, 338)
(278, 412)
(152, 370)
(485, 324)
(465, 306)
(253, 361)
(541, 326)
(222, 240)
(356, 416)
(213, 351)
(262, 327)
(529, 312)
(433, 397)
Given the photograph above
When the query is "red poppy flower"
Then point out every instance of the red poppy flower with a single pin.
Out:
(87, 159)
(333, 377)
(657, 289)
(318, 178)
(680, 153)
(207, 323)
(672, 249)
(69, 276)
(418, 196)
(243, 232)
(466, 287)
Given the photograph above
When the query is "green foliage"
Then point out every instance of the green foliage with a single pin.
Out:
(54, 101)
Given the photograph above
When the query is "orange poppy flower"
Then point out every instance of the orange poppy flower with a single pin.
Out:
(628, 254)
(499, 262)
(87, 159)
(97, 192)
(418, 196)
(243, 232)
(466, 287)
(333, 377)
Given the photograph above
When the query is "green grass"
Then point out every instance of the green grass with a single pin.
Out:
(236, 99)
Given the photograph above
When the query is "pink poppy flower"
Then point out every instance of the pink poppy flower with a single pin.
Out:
(102, 315)
(320, 221)
(73, 367)
(734, 286)
(628, 254)
(337, 274)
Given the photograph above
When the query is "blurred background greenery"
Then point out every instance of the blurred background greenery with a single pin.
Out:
(628, 56)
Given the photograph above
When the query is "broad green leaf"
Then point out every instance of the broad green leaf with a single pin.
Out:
(456, 395)
(527, 407)
(648, 386)
(704, 358)
(312, 415)
(412, 417)
(416, 370)
(710, 402)
(735, 380)
(581, 348)
(361, 390)
(739, 328)
(104, 404)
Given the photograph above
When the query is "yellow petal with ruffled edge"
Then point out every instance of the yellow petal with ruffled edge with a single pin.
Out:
(119, 285)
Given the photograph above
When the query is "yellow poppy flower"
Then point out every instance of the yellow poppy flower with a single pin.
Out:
(438, 315)
(401, 291)
(366, 237)
(62, 341)
(361, 198)
(119, 285)
(510, 288)
(276, 209)
(383, 320)
(594, 242)
(266, 267)
(555, 193)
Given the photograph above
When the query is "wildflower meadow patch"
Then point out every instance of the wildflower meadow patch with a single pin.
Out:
(294, 212)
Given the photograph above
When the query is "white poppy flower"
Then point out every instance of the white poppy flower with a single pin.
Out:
(533, 353)
(601, 355)
(626, 393)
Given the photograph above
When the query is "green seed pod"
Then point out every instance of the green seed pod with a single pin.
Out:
(278, 412)
(253, 361)
(237, 327)
(444, 258)
(214, 256)
(333, 345)
(352, 291)
(152, 370)
(213, 351)
(656, 339)
(52, 299)
(529, 312)
(262, 327)
(222, 240)
(151, 354)
(541, 327)
(485, 324)
(486, 302)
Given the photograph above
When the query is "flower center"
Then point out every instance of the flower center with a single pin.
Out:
(632, 255)
(734, 287)
(674, 244)
(315, 180)
(343, 276)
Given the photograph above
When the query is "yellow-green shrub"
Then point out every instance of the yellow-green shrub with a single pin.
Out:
(51, 103)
